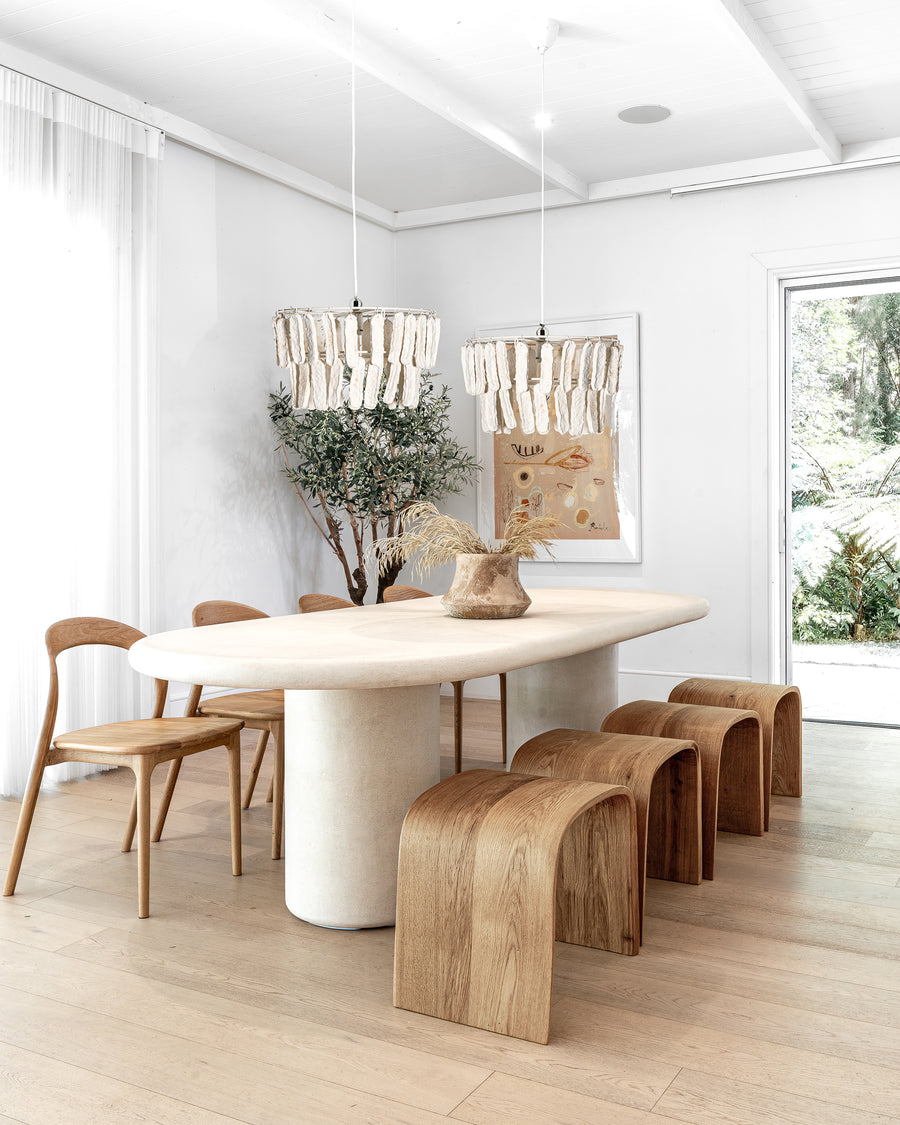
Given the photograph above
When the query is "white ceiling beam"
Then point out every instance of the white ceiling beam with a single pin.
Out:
(406, 79)
(781, 77)
(738, 173)
(189, 133)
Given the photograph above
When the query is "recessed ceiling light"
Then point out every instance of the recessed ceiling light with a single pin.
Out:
(644, 114)
(543, 121)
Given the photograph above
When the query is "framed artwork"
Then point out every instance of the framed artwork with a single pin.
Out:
(590, 483)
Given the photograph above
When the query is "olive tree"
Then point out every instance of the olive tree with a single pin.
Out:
(356, 471)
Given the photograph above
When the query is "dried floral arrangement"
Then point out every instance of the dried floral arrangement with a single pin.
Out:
(431, 539)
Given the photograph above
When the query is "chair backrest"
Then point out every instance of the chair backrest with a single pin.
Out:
(75, 631)
(404, 593)
(72, 632)
(218, 613)
(316, 603)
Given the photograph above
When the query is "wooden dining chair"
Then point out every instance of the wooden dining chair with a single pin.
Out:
(407, 593)
(139, 744)
(257, 710)
(316, 603)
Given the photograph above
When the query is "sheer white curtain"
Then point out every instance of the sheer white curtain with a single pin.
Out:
(78, 202)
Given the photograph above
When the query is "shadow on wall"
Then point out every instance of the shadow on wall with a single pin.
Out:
(232, 525)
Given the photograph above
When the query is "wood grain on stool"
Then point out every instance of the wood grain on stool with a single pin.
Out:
(662, 773)
(731, 768)
(492, 867)
(780, 715)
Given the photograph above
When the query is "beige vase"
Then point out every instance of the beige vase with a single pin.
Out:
(486, 586)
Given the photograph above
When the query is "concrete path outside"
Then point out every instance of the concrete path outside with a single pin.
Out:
(854, 683)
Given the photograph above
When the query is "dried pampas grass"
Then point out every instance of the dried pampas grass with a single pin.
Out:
(434, 539)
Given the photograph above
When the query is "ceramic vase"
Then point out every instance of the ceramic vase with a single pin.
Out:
(486, 586)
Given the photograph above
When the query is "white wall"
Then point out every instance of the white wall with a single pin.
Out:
(689, 267)
(234, 247)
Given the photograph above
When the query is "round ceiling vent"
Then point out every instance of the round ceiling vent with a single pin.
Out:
(644, 114)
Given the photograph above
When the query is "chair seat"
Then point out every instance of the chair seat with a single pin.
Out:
(263, 705)
(147, 736)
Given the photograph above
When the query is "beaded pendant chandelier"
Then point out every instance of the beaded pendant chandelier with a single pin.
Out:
(537, 382)
(385, 349)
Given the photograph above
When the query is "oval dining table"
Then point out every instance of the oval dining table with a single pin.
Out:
(362, 712)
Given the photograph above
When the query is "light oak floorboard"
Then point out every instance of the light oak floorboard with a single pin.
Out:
(703, 1099)
(215, 1079)
(34, 1087)
(766, 997)
(359, 1062)
(518, 1101)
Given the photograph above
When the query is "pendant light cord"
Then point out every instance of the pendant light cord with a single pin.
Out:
(353, 145)
(543, 52)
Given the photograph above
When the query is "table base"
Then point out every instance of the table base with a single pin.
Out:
(355, 760)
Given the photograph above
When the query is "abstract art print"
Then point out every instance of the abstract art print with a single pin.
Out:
(591, 483)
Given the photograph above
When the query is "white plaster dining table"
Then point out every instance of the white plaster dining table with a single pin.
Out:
(362, 712)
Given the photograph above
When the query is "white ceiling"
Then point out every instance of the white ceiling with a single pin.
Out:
(447, 91)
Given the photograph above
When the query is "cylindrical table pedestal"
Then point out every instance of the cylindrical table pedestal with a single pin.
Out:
(575, 691)
(355, 760)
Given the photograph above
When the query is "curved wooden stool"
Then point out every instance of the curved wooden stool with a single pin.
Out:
(731, 768)
(780, 715)
(662, 773)
(492, 867)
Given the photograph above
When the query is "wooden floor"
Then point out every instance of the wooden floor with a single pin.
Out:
(771, 995)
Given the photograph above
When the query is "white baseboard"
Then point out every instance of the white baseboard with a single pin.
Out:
(650, 683)
(634, 683)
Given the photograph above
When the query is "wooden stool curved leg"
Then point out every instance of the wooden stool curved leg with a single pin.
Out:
(730, 746)
(781, 717)
(662, 773)
(492, 867)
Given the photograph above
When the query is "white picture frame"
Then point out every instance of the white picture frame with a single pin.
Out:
(627, 547)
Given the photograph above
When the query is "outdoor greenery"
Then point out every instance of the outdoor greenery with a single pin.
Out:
(361, 469)
(846, 468)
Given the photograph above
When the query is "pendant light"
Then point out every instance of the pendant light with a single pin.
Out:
(385, 349)
(571, 380)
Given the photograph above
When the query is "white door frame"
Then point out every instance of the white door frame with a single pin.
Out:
(772, 275)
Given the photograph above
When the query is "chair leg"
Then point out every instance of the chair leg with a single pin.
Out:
(503, 715)
(254, 769)
(131, 824)
(166, 800)
(278, 791)
(143, 768)
(26, 813)
(234, 799)
(271, 794)
(457, 725)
